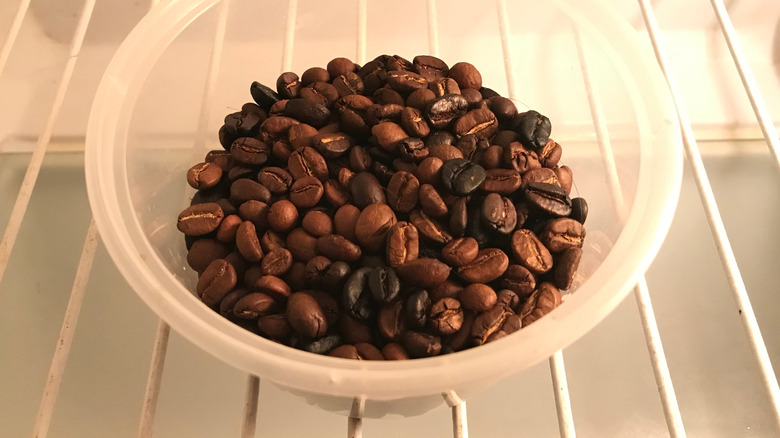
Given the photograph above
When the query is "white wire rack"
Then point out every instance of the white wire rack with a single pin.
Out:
(459, 418)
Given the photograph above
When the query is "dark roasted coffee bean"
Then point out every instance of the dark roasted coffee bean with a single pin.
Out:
(221, 158)
(255, 305)
(204, 251)
(564, 175)
(487, 93)
(352, 330)
(501, 181)
(356, 296)
(431, 202)
(275, 179)
(550, 154)
(388, 96)
(520, 158)
(276, 262)
(498, 213)
(562, 234)
(420, 98)
(405, 81)
(372, 226)
(545, 298)
(322, 346)
(349, 83)
(403, 192)
(459, 217)
(383, 113)
(337, 247)
(402, 243)
(519, 280)
(413, 122)
(247, 242)
(215, 282)
(442, 111)
(362, 351)
(339, 66)
(391, 320)
(282, 216)
(522, 212)
(332, 145)
(460, 251)
(314, 74)
(462, 176)
(273, 286)
(227, 303)
(446, 316)
(418, 305)
(288, 85)
(264, 96)
(277, 109)
(487, 323)
(430, 67)
(420, 344)
(429, 228)
(203, 176)
(440, 137)
(366, 190)
(478, 297)
(244, 190)
(466, 75)
(359, 159)
(531, 252)
(443, 86)
(473, 97)
(394, 351)
(503, 108)
(480, 122)
(423, 272)
(579, 210)
(321, 93)
(335, 195)
(548, 198)
(335, 275)
(317, 223)
(274, 327)
(384, 284)
(315, 270)
(305, 315)
(534, 129)
(200, 219)
(244, 124)
(281, 149)
(307, 112)
(508, 299)
(306, 192)
(489, 264)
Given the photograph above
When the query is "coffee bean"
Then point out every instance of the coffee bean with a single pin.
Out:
(550, 154)
(282, 216)
(288, 85)
(314, 74)
(519, 280)
(539, 175)
(353, 331)
(372, 226)
(429, 228)
(203, 176)
(459, 217)
(271, 240)
(356, 296)
(501, 181)
(384, 284)
(423, 272)
(507, 298)
(366, 190)
(321, 93)
(487, 323)
(229, 301)
(307, 112)
(200, 219)
(562, 234)
(446, 316)
(333, 194)
(255, 305)
(431, 202)
(305, 315)
(339, 66)
(361, 351)
(548, 198)
(480, 122)
(412, 150)
(315, 270)
(323, 345)
(393, 351)
(492, 158)
(391, 320)
(301, 244)
(277, 262)
(337, 247)
(444, 152)
(430, 67)
(317, 223)
(277, 109)
(215, 282)
(264, 96)
(462, 176)
(443, 86)
(511, 324)
(295, 277)
(377, 113)
(564, 175)
(442, 111)
(417, 307)
(221, 158)
(204, 251)
(274, 287)
(566, 267)
(531, 252)
(420, 98)
(349, 83)
(388, 96)
(545, 298)
(462, 338)
(275, 127)
(579, 210)
(498, 213)
(329, 305)
(473, 97)
(503, 108)
(244, 190)
(420, 344)
(405, 81)
(519, 158)
(306, 192)
(274, 327)
(414, 123)
(335, 275)
(478, 297)
(344, 221)
(307, 161)
(489, 264)
(359, 159)
(403, 191)
(402, 243)
(460, 251)
(429, 171)
(247, 242)
(466, 75)
(534, 129)
(388, 134)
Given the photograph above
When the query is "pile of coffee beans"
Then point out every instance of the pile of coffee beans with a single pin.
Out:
(388, 211)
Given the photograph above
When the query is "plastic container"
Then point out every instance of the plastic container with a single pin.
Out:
(146, 129)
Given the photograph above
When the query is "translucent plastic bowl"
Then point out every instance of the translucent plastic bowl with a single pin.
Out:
(162, 99)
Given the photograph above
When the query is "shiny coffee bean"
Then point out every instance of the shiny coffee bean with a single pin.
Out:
(203, 176)
(356, 297)
(418, 304)
(255, 305)
(274, 327)
(442, 111)
(430, 67)
(548, 198)
(247, 242)
(264, 96)
(466, 75)
(579, 210)
(423, 272)
(534, 129)
(273, 286)
(498, 213)
(462, 176)
(384, 284)
(366, 189)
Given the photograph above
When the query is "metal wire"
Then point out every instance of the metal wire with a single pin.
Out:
(712, 212)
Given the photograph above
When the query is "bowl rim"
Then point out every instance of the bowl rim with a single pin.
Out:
(658, 180)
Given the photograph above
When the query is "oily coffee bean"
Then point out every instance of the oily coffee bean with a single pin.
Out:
(337, 247)
(431, 201)
(391, 320)
(460, 251)
(530, 252)
(307, 161)
(277, 262)
(430, 67)
(247, 242)
(459, 217)
(501, 181)
(562, 234)
(254, 305)
(305, 315)
(288, 85)
(444, 110)
(550, 199)
(462, 176)
(274, 287)
(317, 223)
(274, 327)
(423, 272)
(534, 129)
(384, 284)
(366, 189)
(565, 267)
(356, 296)
(354, 331)
(503, 108)
(200, 219)
(579, 210)
(498, 213)
(487, 323)
(216, 281)
(480, 122)
(519, 280)
(203, 176)
(466, 75)
(264, 96)
(332, 145)
(393, 351)
(244, 190)
(446, 316)
(429, 228)
(372, 226)
(478, 297)
(545, 298)
(421, 344)
(204, 251)
(402, 243)
(323, 345)
(403, 191)
(489, 264)
(418, 305)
